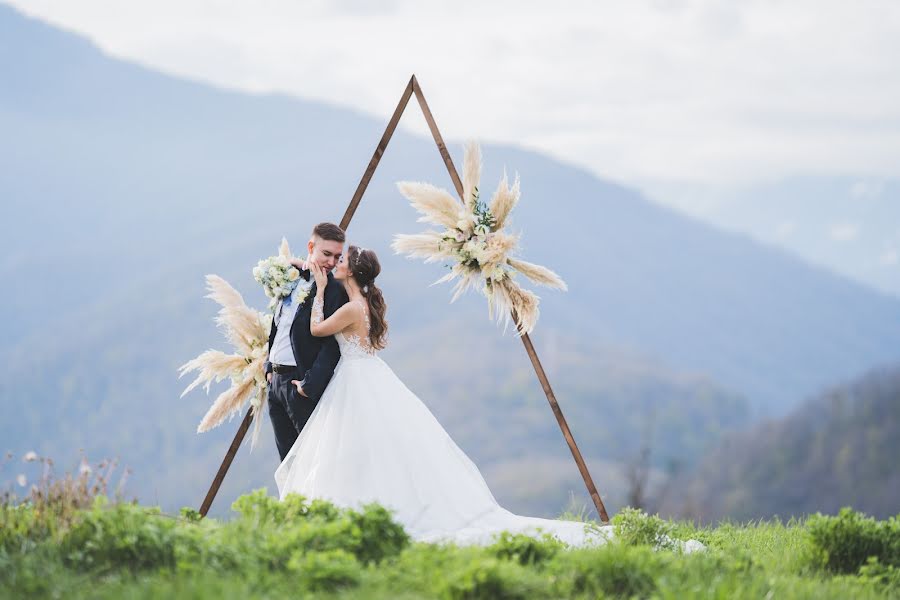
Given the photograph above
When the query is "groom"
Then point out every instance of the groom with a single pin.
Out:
(294, 354)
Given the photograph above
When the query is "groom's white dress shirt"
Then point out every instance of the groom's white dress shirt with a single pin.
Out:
(282, 353)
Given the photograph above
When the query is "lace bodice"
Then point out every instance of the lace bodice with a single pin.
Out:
(356, 345)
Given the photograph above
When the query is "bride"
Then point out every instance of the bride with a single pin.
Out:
(370, 439)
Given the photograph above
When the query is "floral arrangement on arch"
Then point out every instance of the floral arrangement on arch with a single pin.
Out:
(474, 242)
(247, 330)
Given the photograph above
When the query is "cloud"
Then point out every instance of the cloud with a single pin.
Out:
(844, 232)
(784, 230)
(682, 91)
(866, 189)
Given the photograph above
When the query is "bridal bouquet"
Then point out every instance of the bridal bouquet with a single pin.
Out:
(473, 240)
(276, 274)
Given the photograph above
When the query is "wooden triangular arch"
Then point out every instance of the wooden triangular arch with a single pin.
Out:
(413, 88)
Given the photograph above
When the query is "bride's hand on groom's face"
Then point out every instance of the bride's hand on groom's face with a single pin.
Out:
(299, 389)
(299, 263)
(320, 275)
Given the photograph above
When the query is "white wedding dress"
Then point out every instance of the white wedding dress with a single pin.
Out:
(370, 439)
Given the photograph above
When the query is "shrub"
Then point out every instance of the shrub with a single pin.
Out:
(613, 570)
(123, 535)
(883, 575)
(23, 526)
(380, 536)
(325, 571)
(37, 573)
(489, 578)
(845, 542)
(189, 513)
(262, 509)
(52, 503)
(634, 527)
(525, 549)
(271, 532)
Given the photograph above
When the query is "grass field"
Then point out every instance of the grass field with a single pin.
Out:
(68, 540)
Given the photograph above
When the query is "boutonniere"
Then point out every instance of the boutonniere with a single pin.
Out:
(302, 295)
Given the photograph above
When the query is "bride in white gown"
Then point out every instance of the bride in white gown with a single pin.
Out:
(370, 439)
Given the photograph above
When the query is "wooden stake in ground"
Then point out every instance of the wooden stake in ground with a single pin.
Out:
(413, 88)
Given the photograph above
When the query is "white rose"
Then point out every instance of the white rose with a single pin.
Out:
(273, 272)
(257, 272)
(482, 230)
(474, 247)
(293, 274)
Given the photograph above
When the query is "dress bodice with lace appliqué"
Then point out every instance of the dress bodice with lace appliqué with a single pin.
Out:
(352, 345)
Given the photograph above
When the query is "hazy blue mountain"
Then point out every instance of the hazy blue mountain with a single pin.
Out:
(121, 188)
(838, 449)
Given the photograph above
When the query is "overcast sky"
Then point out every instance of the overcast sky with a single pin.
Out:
(655, 93)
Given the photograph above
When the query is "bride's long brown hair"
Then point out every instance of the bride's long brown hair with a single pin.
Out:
(364, 268)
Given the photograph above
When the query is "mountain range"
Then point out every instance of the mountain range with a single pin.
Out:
(838, 449)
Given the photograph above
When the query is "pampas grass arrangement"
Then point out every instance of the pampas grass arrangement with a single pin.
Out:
(248, 332)
(474, 239)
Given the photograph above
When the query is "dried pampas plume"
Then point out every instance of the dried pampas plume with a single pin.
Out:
(284, 250)
(436, 205)
(475, 244)
(471, 174)
(248, 331)
(504, 200)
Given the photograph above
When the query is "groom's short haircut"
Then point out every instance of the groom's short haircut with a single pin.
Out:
(329, 231)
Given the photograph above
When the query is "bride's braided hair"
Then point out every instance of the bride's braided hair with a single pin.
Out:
(364, 268)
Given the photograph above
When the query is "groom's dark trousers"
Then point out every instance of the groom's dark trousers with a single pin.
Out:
(288, 410)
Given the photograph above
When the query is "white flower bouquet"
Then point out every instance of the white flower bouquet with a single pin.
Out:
(277, 275)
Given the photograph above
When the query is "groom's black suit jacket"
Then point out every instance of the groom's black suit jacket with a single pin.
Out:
(316, 357)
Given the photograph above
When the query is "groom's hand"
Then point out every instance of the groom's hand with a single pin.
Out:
(269, 377)
(297, 385)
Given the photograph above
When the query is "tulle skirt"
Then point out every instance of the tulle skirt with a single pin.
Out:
(370, 439)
